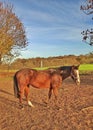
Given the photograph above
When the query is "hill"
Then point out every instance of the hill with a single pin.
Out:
(49, 62)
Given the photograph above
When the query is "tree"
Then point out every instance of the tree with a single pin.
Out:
(88, 34)
(12, 32)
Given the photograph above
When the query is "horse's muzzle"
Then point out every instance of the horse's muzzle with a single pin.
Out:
(77, 82)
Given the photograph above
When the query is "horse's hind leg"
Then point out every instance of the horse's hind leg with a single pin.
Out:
(27, 96)
(50, 93)
(21, 93)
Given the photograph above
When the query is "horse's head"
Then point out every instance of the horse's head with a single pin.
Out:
(75, 74)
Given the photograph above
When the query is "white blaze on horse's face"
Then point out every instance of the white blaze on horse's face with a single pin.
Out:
(78, 78)
(75, 76)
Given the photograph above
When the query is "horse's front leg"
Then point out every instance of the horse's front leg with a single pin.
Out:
(55, 91)
(49, 96)
(27, 96)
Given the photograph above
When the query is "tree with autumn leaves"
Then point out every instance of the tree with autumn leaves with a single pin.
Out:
(12, 33)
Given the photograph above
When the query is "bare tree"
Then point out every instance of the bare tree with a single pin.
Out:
(87, 8)
(12, 32)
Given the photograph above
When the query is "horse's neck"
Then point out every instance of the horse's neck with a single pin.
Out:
(65, 75)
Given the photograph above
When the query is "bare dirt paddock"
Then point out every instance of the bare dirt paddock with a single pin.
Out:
(75, 113)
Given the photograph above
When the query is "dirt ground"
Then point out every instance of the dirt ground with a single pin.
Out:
(75, 113)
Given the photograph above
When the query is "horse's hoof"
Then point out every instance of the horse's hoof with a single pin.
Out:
(58, 108)
(45, 102)
(47, 106)
(32, 106)
(21, 107)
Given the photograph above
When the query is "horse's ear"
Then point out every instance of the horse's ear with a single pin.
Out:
(78, 66)
(73, 67)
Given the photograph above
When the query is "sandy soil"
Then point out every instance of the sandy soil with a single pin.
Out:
(75, 113)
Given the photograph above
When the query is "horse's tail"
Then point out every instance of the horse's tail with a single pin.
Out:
(16, 88)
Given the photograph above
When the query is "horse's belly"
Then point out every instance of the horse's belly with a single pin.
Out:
(40, 80)
(40, 84)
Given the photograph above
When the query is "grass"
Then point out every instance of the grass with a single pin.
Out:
(43, 68)
(5, 70)
(86, 68)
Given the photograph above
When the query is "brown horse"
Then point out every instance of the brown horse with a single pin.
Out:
(38, 79)
(50, 78)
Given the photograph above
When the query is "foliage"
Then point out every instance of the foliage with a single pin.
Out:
(12, 33)
(87, 8)
(49, 62)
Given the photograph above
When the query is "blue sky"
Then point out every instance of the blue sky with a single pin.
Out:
(53, 27)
